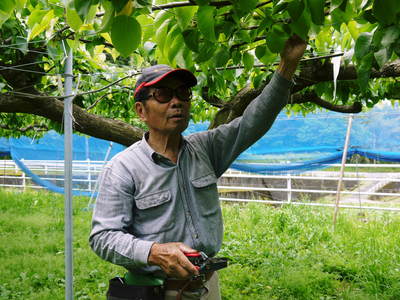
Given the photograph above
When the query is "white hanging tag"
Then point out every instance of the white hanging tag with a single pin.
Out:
(336, 67)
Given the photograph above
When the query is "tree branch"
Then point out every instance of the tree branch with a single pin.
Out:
(311, 96)
(34, 127)
(212, 100)
(312, 72)
(93, 125)
(192, 3)
(316, 71)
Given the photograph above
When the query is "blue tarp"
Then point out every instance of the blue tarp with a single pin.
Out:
(4, 147)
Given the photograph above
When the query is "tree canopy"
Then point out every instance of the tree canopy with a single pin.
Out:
(231, 46)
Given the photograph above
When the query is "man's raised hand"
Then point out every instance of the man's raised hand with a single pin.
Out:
(291, 55)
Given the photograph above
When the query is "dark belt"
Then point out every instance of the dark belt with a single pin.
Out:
(188, 284)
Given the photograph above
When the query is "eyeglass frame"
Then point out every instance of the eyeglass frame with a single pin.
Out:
(174, 93)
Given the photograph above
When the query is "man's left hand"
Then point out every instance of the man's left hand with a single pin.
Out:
(291, 55)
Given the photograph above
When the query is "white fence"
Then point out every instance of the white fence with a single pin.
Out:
(379, 189)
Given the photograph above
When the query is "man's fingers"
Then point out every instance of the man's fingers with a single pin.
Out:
(186, 249)
(180, 272)
(172, 259)
(185, 263)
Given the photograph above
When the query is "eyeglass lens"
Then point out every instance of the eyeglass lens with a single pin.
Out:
(165, 94)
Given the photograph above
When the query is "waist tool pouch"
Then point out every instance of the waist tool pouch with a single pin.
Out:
(118, 289)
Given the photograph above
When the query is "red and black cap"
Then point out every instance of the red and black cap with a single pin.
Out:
(155, 74)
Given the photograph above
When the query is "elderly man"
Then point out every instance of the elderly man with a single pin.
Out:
(158, 199)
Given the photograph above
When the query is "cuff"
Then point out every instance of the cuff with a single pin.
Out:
(142, 251)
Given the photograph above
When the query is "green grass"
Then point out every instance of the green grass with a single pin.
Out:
(276, 253)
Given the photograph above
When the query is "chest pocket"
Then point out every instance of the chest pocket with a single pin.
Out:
(206, 191)
(153, 213)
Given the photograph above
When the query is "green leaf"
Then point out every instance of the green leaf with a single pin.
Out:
(4, 15)
(352, 27)
(302, 25)
(22, 44)
(176, 46)
(36, 17)
(258, 80)
(368, 16)
(396, 49)
(42, 26)
(173, 32)
(107, 19)
(390, 35)
(279, 7)
(295, 9)
(364, 70)
(73, 19)
(225, 27)
(381, 57)
(207, 50)
(191, 38)
(20, 4)
(161, 17)
(222, 57)
(125, 34)
(161, 35)
(385, 10)
(244, 36)
(260, 51)
(146, 23)
(243, 7)
(7, 6)
(202, 2)
(119, 4)
(205, 19)
(184, 59)
(276, 39)
(91, 14)
(73, 44)
(82, 8)
(265, 23)
(335, 4)
(363, 44)
(316, 8)
(248, 61)
(265, 55)
(184, 15)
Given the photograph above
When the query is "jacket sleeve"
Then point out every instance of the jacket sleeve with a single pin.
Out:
(112, 217)
(225, 143)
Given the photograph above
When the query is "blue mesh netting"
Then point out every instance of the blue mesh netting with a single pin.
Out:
(293, 145)
(296, 144)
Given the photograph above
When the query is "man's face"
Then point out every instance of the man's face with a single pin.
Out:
(167, 118)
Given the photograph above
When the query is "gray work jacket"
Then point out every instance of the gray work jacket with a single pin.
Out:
(145, 198)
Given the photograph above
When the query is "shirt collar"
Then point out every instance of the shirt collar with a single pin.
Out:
(146, 147)
(156, 157)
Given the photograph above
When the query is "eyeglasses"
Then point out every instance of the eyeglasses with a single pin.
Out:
(165, 94)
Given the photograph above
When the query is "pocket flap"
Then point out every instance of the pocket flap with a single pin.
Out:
(152, 200)
(204, 181)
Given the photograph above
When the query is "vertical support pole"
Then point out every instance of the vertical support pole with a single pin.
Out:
(68, 178)
(344, 156)
(23, 181)
(289, 188)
